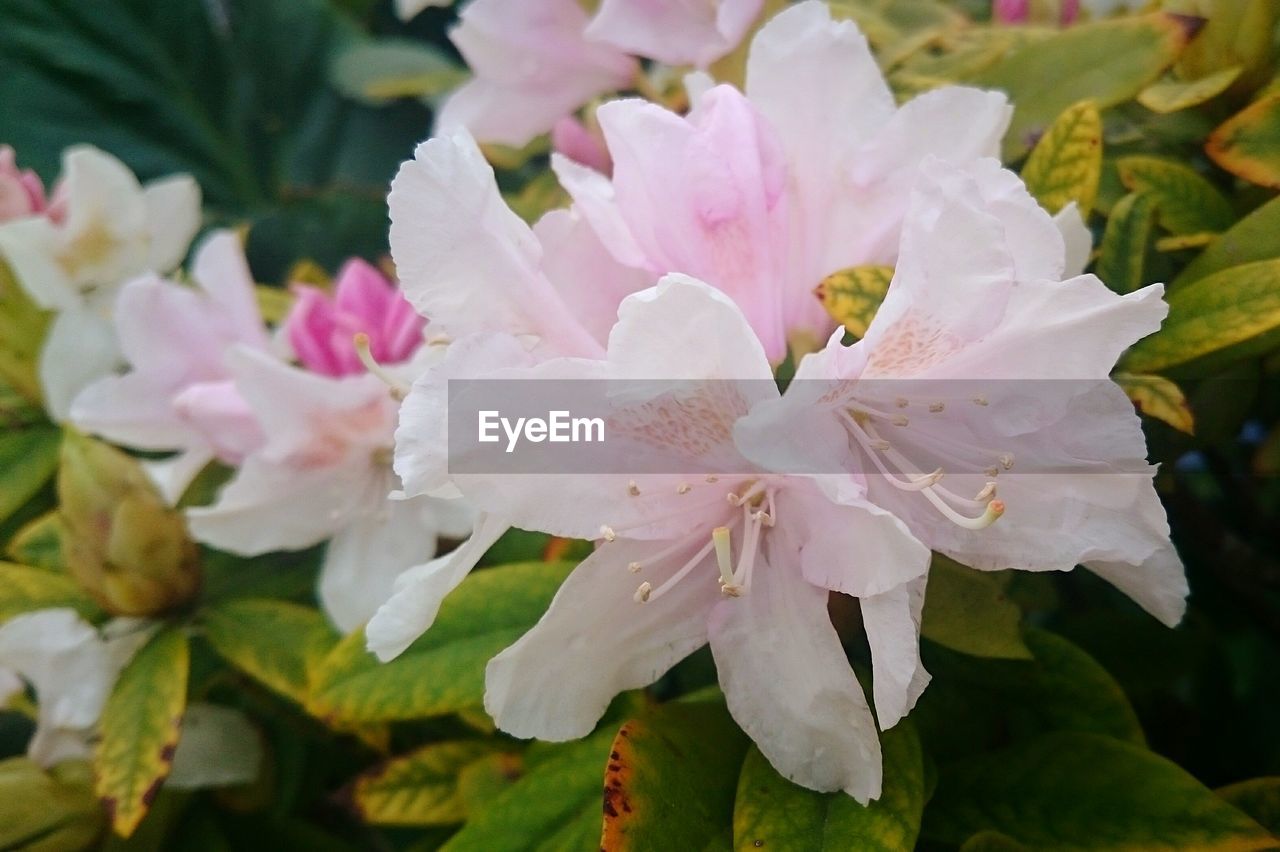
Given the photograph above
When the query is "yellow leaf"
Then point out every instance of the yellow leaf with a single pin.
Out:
(140, 727)
(1178, 242)
(274, 303)
(1187, 202)
(1248, 143)
(852, 296)
(1123, 254)
(24, 589)
(1066, 163)
(419, 788)
(1156, 396)
(1171, 94)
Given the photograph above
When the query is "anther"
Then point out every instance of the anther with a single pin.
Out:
(720, 539)
(900, 420)
(711, 477)
(642, 592)
(881, 445)
(399, 390)
(607, 533)
(1006, 460)
(980, 400)
(633, 567)
(633, 489)
(901, 402)
(684, 488)
(988, 491)
(991, 471)
(936, 407)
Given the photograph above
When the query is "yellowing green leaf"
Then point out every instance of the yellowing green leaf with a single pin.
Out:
(39, 543)
(555, 805)
(1250, 239)
(1107, 62)
(442, 672)
(671, 778)
(22, 329)
(1186, 202)
(277, 643)
(1074, 791)
(1172, 94)
(1230, 307)
(773, 813)
(486, 778)
(542, 193)
(1181, 242)
(1248, 143)
(1258, 797)
(28, 459)
(24, 589)
(968, 611)
(140, 727)
(1122, 258)
(274, 302)
(48, 810)
(1160, 398)
(852, 296)
(1066, 163)
(419, 788)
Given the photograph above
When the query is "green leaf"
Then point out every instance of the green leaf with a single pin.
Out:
(1107, 62)
(671, 778)
(1172, 94)
(28, 460)
(1124, 243)
(1186, 202)
(47, 810)
(443, 671)
(483, 780)
(419, 788)
(278, 644)
(773, 813)
(852, 296)
(380, 71)
(555, 806)
(1251, 239)
(1234, 306)
(24, 589)
(39, 543)
(1066, 163)
(140, 727)
(967, 611)
(1073, 791)
(992, 841)
(1248, 143)
(1156, 396)
(1257, 797)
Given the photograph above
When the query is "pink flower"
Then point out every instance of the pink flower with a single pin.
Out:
(570, 138)
(177, 394)
(1062, 12)
(21, 191)
(532, 67)
(764, 194)
(677, 32)
(981, 391)
(321, 328)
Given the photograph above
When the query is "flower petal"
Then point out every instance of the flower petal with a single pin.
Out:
(892, 622)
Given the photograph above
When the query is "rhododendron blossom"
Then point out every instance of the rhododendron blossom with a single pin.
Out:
(99, 229)
(21, 190)
(981, 390)
(741, 559)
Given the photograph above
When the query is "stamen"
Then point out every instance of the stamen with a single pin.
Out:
(607, 533)
(980, 400)
(1006, 460)
(993, 511)
(633, 567)
(988, 491)
(642, 592)
(991, 471)
(901, 402)
(882, 445)
(399, 389)
(720, 539)
(684, 488)
(633, 489)
(900, 420)
(711, 477)
(682, 573)
(936, 407)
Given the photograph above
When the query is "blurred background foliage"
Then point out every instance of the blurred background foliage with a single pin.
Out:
(1056, 705)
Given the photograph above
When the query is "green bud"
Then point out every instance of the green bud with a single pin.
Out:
(124, 544)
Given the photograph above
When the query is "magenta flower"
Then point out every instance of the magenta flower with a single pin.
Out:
(321, 328)
(21, 190)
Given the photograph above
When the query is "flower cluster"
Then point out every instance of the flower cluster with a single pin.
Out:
(689, 253)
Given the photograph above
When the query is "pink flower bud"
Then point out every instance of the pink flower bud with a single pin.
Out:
(321, 328)
(21, 190)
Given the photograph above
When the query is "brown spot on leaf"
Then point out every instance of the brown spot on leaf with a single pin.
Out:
(1191, 24)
